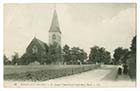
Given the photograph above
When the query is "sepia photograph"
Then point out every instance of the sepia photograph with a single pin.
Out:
(69, 45)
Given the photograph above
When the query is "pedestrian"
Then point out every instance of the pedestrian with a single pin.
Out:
(125, 69)
(120, 70)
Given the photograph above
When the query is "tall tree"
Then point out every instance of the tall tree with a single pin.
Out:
(77, 55)
(119, 53)
(66, 54)
(132, 59)
(93, 56)
(82, 55)
(107, 57)
(99, 55)
(133, 45)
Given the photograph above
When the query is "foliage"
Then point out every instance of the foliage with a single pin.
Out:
(26, 59)
(119, 54)
(66, 54)
(43, 73)
(6, 61)
(99, 55)
(132, 59)
(77, 55)
(15, 59)
(132, 65)
(55, 54)
(133, 45)
(107, 57)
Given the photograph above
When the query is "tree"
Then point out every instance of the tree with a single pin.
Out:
(77, 55)
(118, 55)
(45, 59)
(132, 59)
(82, 55)
(55, 54)
(107, 57)
(93, 56)
(28, 58)
(25, 59)
(66, 55)
(15, 58)
(6, 60)
(99, 55)
(133, 45)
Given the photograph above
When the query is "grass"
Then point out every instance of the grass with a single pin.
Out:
(43, 72)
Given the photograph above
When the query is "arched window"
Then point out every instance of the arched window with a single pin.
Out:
(34, 49)
(54, 37)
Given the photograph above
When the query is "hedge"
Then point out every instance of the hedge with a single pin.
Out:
(46, 74)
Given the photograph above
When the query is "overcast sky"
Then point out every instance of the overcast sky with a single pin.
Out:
(83, 25)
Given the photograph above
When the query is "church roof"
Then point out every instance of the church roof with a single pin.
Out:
(55, 24)
(41, 43)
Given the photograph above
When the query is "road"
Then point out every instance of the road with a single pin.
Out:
(89, 76)
(106, 76)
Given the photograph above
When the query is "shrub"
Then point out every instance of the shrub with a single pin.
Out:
(46, 74)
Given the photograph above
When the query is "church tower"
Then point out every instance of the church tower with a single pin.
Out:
(54, 32)
(55, 41)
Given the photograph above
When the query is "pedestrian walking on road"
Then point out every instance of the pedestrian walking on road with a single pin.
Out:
(120, 70)
(125, 69)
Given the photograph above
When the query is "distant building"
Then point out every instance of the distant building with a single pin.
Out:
(40, 48)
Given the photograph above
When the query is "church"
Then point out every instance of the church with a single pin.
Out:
(40, 49)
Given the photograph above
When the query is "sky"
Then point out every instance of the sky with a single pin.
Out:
(107, 25)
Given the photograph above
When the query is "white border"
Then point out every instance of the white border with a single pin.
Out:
(69, 1)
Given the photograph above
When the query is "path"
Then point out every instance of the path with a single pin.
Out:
(89, 76)
(101, 77)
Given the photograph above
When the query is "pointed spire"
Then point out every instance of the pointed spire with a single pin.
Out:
(55, 24)
(34, 38)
